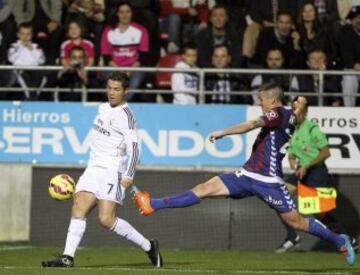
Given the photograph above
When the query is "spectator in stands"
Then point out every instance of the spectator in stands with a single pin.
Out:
(223, 84)
(90, 14)
(280, 36)
(237, 10)
(316, 60)
(75, 32)
(123, 42)
(73, 74)
(45, 17)
(327, 10)
(145, 13)
(26, 53)
(218, 33)
(184, 85)
(350, 52)
(7, 27)
(274, 61)
(313, 33)
(263, 14)
(177, 15)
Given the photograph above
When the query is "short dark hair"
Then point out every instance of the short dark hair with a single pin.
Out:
(25, 25)
(219, 7)
(77, 48)
(188, 46)
(284, 12)
(316, 50)
(222, 46)
(120, 77)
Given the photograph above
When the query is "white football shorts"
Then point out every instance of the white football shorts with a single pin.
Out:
(103, 183)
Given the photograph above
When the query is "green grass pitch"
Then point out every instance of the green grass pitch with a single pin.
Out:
(105, 260)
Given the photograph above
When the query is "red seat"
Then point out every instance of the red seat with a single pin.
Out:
(163, 79)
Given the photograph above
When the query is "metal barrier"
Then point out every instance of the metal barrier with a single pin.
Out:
(201, 72)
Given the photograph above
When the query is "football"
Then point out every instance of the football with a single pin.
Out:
(61, 187)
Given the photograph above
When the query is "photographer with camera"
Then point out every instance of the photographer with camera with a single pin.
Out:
(73, 75)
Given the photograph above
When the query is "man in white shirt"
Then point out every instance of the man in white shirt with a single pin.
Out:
(26, 53)
(184, 85)
(114, 154)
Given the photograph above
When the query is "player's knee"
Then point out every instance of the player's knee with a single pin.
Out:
(106, 221)
(201, 190)
(296, 222)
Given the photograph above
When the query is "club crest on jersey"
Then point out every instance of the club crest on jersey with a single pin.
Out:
(271, 115)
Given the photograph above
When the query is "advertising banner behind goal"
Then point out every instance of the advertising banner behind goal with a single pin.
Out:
(36, 132)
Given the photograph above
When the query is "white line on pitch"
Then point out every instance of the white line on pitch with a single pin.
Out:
(165, 270)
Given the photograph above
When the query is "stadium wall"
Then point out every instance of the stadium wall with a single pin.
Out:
(15, 196)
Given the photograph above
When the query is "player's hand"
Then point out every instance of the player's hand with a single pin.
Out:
(126, 182)
(302, 100)
(215, 135)
(301, 172)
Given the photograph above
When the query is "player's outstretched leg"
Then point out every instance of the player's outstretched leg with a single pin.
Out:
(147, 205)
(214, 187)
(316, 228)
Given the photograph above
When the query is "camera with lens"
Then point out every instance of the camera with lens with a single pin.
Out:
(76, 65)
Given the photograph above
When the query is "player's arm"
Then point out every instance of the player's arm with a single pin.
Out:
(300, 106)
(133, 153)
(237, 129)
(292, 161)
(321, 157)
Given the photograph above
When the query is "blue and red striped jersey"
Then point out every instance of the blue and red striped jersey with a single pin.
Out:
(271, 143)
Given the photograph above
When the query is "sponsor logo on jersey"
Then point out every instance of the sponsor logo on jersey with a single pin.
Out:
(101, 130)
(272, 201)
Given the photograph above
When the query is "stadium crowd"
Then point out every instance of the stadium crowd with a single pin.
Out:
(271, 34)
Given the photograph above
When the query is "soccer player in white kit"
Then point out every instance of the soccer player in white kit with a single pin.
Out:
(114, 154)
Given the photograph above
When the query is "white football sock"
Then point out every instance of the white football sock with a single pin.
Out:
(76, 231)
(124, 229)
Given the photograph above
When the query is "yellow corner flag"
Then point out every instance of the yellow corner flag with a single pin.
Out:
(313, 200)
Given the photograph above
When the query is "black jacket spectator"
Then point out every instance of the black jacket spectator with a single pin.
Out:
(350, 47)
(310, 84)
(206, 43)
(269, 40)
(225, 84)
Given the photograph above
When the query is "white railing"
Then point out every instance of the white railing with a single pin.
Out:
(201, 72)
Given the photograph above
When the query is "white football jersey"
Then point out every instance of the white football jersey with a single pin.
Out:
(113, 140)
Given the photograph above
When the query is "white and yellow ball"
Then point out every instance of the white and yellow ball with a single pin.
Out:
(62, 187)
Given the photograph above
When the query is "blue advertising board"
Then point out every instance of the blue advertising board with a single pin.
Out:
(36, 132)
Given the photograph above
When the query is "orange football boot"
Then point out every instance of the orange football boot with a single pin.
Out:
(142, 201)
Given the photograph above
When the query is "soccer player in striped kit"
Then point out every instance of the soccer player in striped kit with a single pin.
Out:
(261, 175)
(114, 154)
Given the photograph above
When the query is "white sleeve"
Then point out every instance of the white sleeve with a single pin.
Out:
(14, 53)
(133, 152)
(178, 82)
